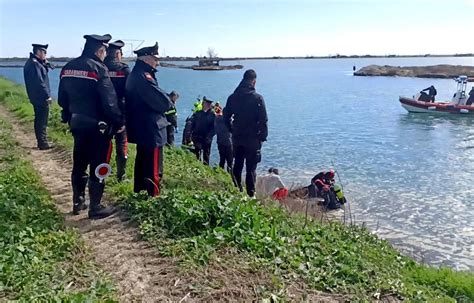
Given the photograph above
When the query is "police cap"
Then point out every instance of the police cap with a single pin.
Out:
(116, 44)
(148, 51)
(40, 46)
(98, 39)
(207, 100)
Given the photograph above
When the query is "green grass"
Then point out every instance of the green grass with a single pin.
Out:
(200, 213)
(40, 259)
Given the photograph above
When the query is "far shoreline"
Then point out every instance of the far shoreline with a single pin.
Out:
(170, 58)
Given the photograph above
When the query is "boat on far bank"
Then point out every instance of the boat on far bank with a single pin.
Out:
(458, 105)
(213, 64)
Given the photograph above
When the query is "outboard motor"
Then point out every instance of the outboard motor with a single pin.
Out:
(460, 95)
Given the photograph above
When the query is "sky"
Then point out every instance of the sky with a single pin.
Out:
(244, 28)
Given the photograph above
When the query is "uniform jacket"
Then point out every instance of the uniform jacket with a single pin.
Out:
(222, 131)
(203, 126)
(172, 116)
(247, 108)
(118, 72)
(36, 77)
(145, 107)
(86, 94)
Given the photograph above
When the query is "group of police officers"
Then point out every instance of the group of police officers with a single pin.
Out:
(101, 98)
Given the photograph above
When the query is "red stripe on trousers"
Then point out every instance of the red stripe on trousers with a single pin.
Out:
(125, 147)
(156, 174)
(109, 152)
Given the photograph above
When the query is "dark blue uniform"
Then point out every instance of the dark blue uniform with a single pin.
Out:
(146, 105)
(88, 99)
(202, 129)
(35, 73)
(224, 143)
(118, 72)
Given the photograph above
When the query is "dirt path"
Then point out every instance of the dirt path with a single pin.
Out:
(140, 273)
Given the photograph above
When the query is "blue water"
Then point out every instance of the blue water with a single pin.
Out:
(409, 176)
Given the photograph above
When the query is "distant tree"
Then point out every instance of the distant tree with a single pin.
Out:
(211, 53)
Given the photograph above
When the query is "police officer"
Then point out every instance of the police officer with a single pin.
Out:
(90, 107)
(172, 118)
(202, 129)
(36, 77)
(146, 104)
(245, 115)
(118, 72)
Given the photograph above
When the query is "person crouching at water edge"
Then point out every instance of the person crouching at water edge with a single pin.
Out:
(323, 185)
(90, 107)
(271, 185)
(202, 131)
(146, 104)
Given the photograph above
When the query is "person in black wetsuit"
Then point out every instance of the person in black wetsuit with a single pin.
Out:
(431, 92)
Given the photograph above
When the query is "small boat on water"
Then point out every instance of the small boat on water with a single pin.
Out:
(456, 106)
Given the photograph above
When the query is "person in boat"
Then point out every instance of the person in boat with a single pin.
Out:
(431, 92)
(202, 129)
(470, 100)
(172, 118)
(271, 185)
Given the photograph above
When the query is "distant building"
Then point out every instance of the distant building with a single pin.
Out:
(209, 62)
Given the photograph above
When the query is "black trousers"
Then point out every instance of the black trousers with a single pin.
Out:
(225, 156)
(41, 122)
(121, 149)
(204, 148)
(170, 129)
(251, 156)
(148, 170)
(91, 149)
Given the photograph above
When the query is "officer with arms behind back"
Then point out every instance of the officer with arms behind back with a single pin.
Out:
(118, 72)
(36, 77)
(248, 128)
(146, 104)
(90, 107)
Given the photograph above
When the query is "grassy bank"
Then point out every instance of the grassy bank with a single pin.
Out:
(40, 259)
(199, 215)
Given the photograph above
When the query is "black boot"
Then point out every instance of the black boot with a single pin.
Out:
(97, 210)
(121, 165)
(78, 194)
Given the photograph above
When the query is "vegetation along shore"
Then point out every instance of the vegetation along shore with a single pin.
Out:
(223, 245)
